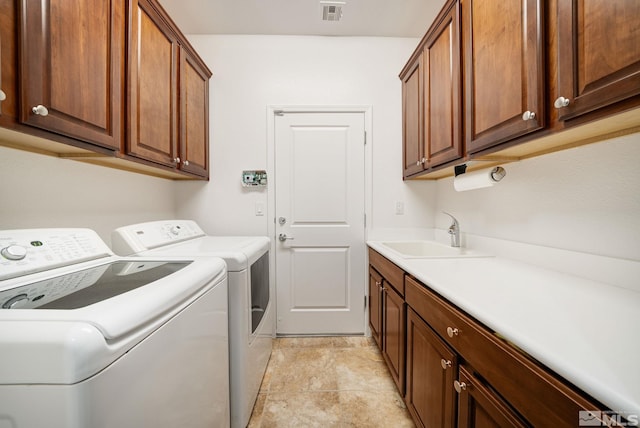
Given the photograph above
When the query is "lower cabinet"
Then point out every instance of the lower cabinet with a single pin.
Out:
(431, 370)
(454, 372)
(393, 333)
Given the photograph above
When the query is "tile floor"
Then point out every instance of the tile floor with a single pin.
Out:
(328, 382)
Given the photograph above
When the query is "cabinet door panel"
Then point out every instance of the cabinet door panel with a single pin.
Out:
(71, 62)
(598, 53)
(412, 128)
(442, 106)
(478, 406)
(194, 128)
(393, 330)
(375, 305)
(430, 396)
(504, 70)
(152, 88)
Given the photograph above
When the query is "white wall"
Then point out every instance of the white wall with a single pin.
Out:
(251, 73)
(43, 191)
(585, 199)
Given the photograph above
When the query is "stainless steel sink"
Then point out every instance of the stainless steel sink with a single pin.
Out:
(430, 250)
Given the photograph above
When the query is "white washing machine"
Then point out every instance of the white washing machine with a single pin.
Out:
(89, 339)
(251, 310)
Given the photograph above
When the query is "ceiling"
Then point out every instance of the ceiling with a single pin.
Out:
(376, 18)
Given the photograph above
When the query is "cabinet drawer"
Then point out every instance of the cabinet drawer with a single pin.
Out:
(542, 398)
(390, 272)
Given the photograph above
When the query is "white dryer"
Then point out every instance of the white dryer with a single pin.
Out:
(251, 310)
(89, 339)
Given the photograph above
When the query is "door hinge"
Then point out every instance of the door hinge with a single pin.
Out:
(278, 112)
(365, 219)
(365, 138)
(365, 302)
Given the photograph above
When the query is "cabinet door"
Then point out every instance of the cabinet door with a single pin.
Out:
(393, 331)
(478, 406)
(375, 305)
(442, 104)
(503, 70)
(194, 115)
(152, 87)
(431, 368)
(598, 54)
(72, 55)
(413, 156)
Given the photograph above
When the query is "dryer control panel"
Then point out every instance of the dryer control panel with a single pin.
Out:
(136, 238)
(26, 251)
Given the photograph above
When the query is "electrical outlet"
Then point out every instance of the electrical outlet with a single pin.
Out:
(399, 208)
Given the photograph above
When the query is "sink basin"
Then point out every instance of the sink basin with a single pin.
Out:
(429, 249)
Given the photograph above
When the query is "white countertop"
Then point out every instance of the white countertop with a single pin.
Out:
(586, 331)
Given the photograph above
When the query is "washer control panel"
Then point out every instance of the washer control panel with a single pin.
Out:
(27, 251)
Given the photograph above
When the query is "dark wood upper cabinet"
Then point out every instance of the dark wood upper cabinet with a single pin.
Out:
(71, 68)
(503, 70)
(152, 90)
(413, 156)
(598, 54)
(194, 114)
(442, 88)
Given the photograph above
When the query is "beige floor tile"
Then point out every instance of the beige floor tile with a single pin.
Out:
(374, 409)
(306, 409)
(340, 382)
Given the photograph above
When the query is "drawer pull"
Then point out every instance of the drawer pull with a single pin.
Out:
(452, 331)
(445, 364)
(459, 386)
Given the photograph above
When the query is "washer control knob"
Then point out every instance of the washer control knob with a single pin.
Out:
(16, 301)
(14, 252)
(175, 230)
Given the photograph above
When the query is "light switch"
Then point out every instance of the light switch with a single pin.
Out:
(399, 208)
(259, 208)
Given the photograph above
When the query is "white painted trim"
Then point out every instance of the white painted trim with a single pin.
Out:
(368, 178)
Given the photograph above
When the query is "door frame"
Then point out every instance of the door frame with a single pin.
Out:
(271, 177)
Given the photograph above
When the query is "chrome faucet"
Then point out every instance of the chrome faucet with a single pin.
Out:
(454, 231)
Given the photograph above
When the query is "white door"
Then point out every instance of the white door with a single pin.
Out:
(320, 206)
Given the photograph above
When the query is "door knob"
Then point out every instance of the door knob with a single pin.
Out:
(561, 102)
(40, 110)
(283, 237)
(528, 115)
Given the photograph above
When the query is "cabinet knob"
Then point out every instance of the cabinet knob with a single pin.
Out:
(423, 161)
(40, 110)
(378, 284)
(3, 96)
(176, 160)
(561, 102)
(528, 115)
(185, 163)
(445, 364)
(452, 331)
(459, 386)
(417, 163)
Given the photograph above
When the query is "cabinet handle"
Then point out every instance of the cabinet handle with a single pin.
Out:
(40, 110)
(185, 163)
(528, 115)
(452, 331)
(3, 96)
(176, 160)
(561, 102)
(459, 386)
(445, 364)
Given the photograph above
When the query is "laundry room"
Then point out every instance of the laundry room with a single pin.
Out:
(405, 189)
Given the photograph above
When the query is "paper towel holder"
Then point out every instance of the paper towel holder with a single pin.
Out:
(497, 173)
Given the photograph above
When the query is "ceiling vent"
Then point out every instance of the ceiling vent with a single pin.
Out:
(331, 10)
